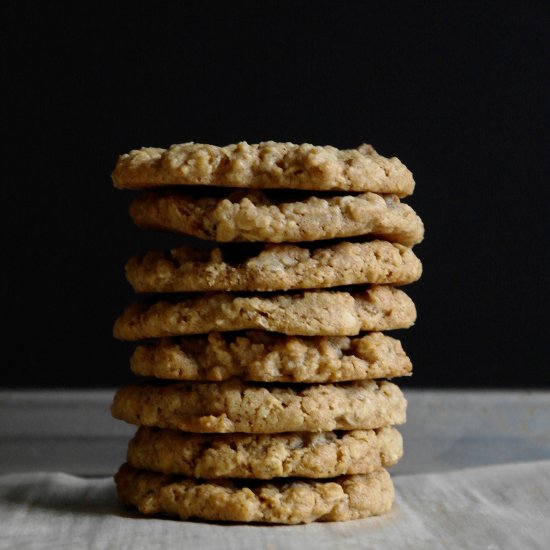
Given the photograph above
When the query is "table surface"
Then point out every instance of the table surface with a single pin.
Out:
(476, 474)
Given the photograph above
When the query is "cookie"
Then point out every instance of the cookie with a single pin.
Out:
(252, 216)
(263, 357)
(303, 454)
(276, 267)
(264, 165)
(236, 406)
(289, 502)
(310, 313)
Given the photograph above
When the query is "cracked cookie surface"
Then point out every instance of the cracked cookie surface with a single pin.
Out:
(308, 313)
(264, 165)
(263, 357)
(252, 216)
(275, 267)
(261, 456)
(236, 406)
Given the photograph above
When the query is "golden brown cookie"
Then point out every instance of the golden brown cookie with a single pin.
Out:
(267, 357)
(264, 165)
(253, 216)
(309, 313)
(261, 456)
(236, 406)
(276, 267)
(290, 502)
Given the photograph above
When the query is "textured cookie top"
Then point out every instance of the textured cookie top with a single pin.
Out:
(236, 406)
(253, 216)
(340, 499)
(309, 313)
(261, 456)
(276, 267)
(264, 357)
(264, 165)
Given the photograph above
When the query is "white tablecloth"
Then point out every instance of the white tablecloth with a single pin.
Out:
(493, 507)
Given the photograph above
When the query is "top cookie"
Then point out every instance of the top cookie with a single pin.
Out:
(264, 165)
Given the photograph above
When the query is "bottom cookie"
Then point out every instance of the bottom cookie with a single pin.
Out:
(339, 499)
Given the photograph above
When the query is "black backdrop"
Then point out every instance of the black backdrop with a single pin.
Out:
(459, 91)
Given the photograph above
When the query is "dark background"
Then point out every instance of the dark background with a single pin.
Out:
(459, 91)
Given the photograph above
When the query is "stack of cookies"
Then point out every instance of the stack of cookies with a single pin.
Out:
(263, 394)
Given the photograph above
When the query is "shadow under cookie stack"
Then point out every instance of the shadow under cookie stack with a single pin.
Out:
(264, 392)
